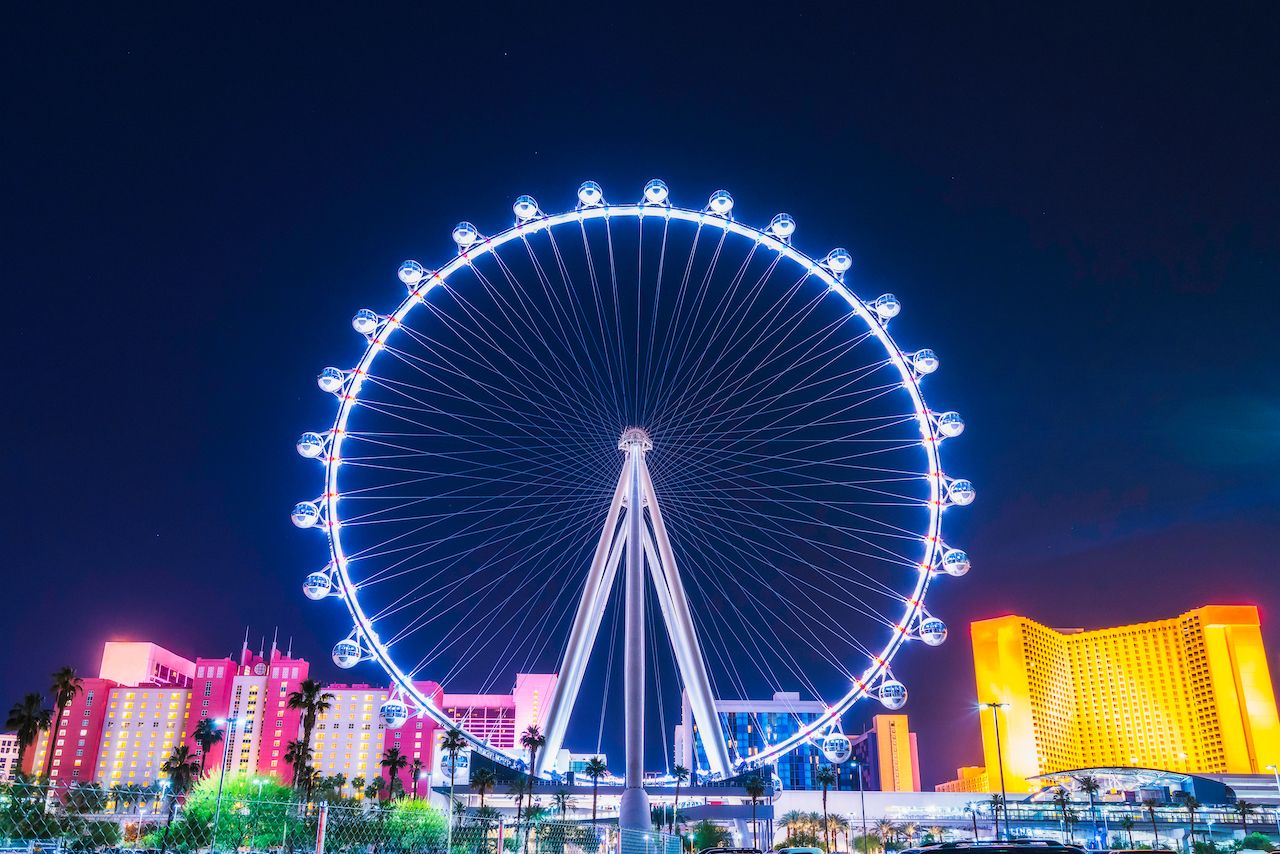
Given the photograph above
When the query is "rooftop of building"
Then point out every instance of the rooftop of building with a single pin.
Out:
(1209, 615)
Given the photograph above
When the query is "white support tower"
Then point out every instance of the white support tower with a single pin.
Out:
(641, 545)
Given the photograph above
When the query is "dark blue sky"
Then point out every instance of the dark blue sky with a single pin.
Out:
(1080, 208)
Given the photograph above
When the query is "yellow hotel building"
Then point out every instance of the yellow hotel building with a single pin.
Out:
(1190, 694)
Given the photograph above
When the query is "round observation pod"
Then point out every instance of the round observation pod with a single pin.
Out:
(366, 321)
(886, 307)
(465, 235)
(590, 194)
(317, 585)
(925, 361)
(310, 445)
(933, 631)
(839, 260)
(393, 713)
(525, 208)
(955, 562)
(782, 226)
(346, 653)
(961, 492)
(950, 424)
(411, 272)
(656, 192)
(892, 694)
(836, 748)
(720, 203)
(305, 514)
(331, 380)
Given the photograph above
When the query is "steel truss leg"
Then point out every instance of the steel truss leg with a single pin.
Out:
(684, 639)
(586, 625)
(635, 490)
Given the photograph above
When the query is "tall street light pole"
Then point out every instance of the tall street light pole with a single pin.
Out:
(995, 722)
(230, 724)
(1275, 772)
(862, 801)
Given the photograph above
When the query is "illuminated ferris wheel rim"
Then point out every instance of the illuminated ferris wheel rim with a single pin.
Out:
(363, 642)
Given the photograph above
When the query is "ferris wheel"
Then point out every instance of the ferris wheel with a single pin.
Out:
(594, 423)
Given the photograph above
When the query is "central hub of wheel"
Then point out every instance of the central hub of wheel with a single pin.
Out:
(634, 437)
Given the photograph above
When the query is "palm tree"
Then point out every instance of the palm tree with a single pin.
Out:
(754, 787)
(826, 778)
(452, 743)
(1245, 809)
(482, 782)
(27, 718)
(886, 831)
(182, 771)
(595, 769)
(206, 735)
(1090, 786)
(64, 687)
(532, 740)
(394, 761)
(997, 803)
(910, 830)
(415, 771)
(336, 784)
(312, 700)
(563, 801)
(357, 785)
(1150, 805)
(1062, 801)
(839, 825)
(1191, 805)
(1126, 824)
(971, 810)
(1070, 820)
(373, 791)
(518, 789)
(789, 821)
(298, 755)
(681, 774)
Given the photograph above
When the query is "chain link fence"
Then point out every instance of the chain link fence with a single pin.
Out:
(35, 819)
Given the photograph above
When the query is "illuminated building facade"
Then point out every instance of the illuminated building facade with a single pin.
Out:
(1191, 694)
(348, 738)
(500, 719)
(77, 737)
(120, 730)
(351, 738)
(140, 663)
(142, 726)
(254, 693)
(970, 778)
(8, 755)
(887, 756)
(750, 725)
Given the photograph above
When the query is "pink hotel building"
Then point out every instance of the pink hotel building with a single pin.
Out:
(145, 700)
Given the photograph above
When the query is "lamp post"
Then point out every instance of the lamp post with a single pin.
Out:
(995, 723)
(862, 801)
(230, 724)
(1275, 772)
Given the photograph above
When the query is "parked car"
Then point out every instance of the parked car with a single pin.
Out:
(1011, 846)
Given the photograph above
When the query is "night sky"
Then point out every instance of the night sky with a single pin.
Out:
(1078, 206)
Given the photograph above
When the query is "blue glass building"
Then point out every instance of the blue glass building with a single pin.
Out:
(750, 726)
